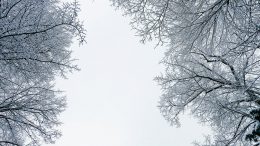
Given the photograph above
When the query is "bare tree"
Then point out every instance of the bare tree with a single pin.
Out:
(212, 64)
(34, 40)
(29, 114)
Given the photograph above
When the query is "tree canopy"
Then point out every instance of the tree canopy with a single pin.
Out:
(212, 62)
(34, 40)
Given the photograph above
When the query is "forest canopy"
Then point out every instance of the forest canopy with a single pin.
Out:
(212, 62)
(34, 40)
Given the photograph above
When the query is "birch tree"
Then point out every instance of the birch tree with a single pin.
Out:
(212, 63)
(34, 40)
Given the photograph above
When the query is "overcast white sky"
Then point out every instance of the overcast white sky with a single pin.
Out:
(112, 100)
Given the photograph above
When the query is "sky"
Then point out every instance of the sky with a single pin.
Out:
(113, 100)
